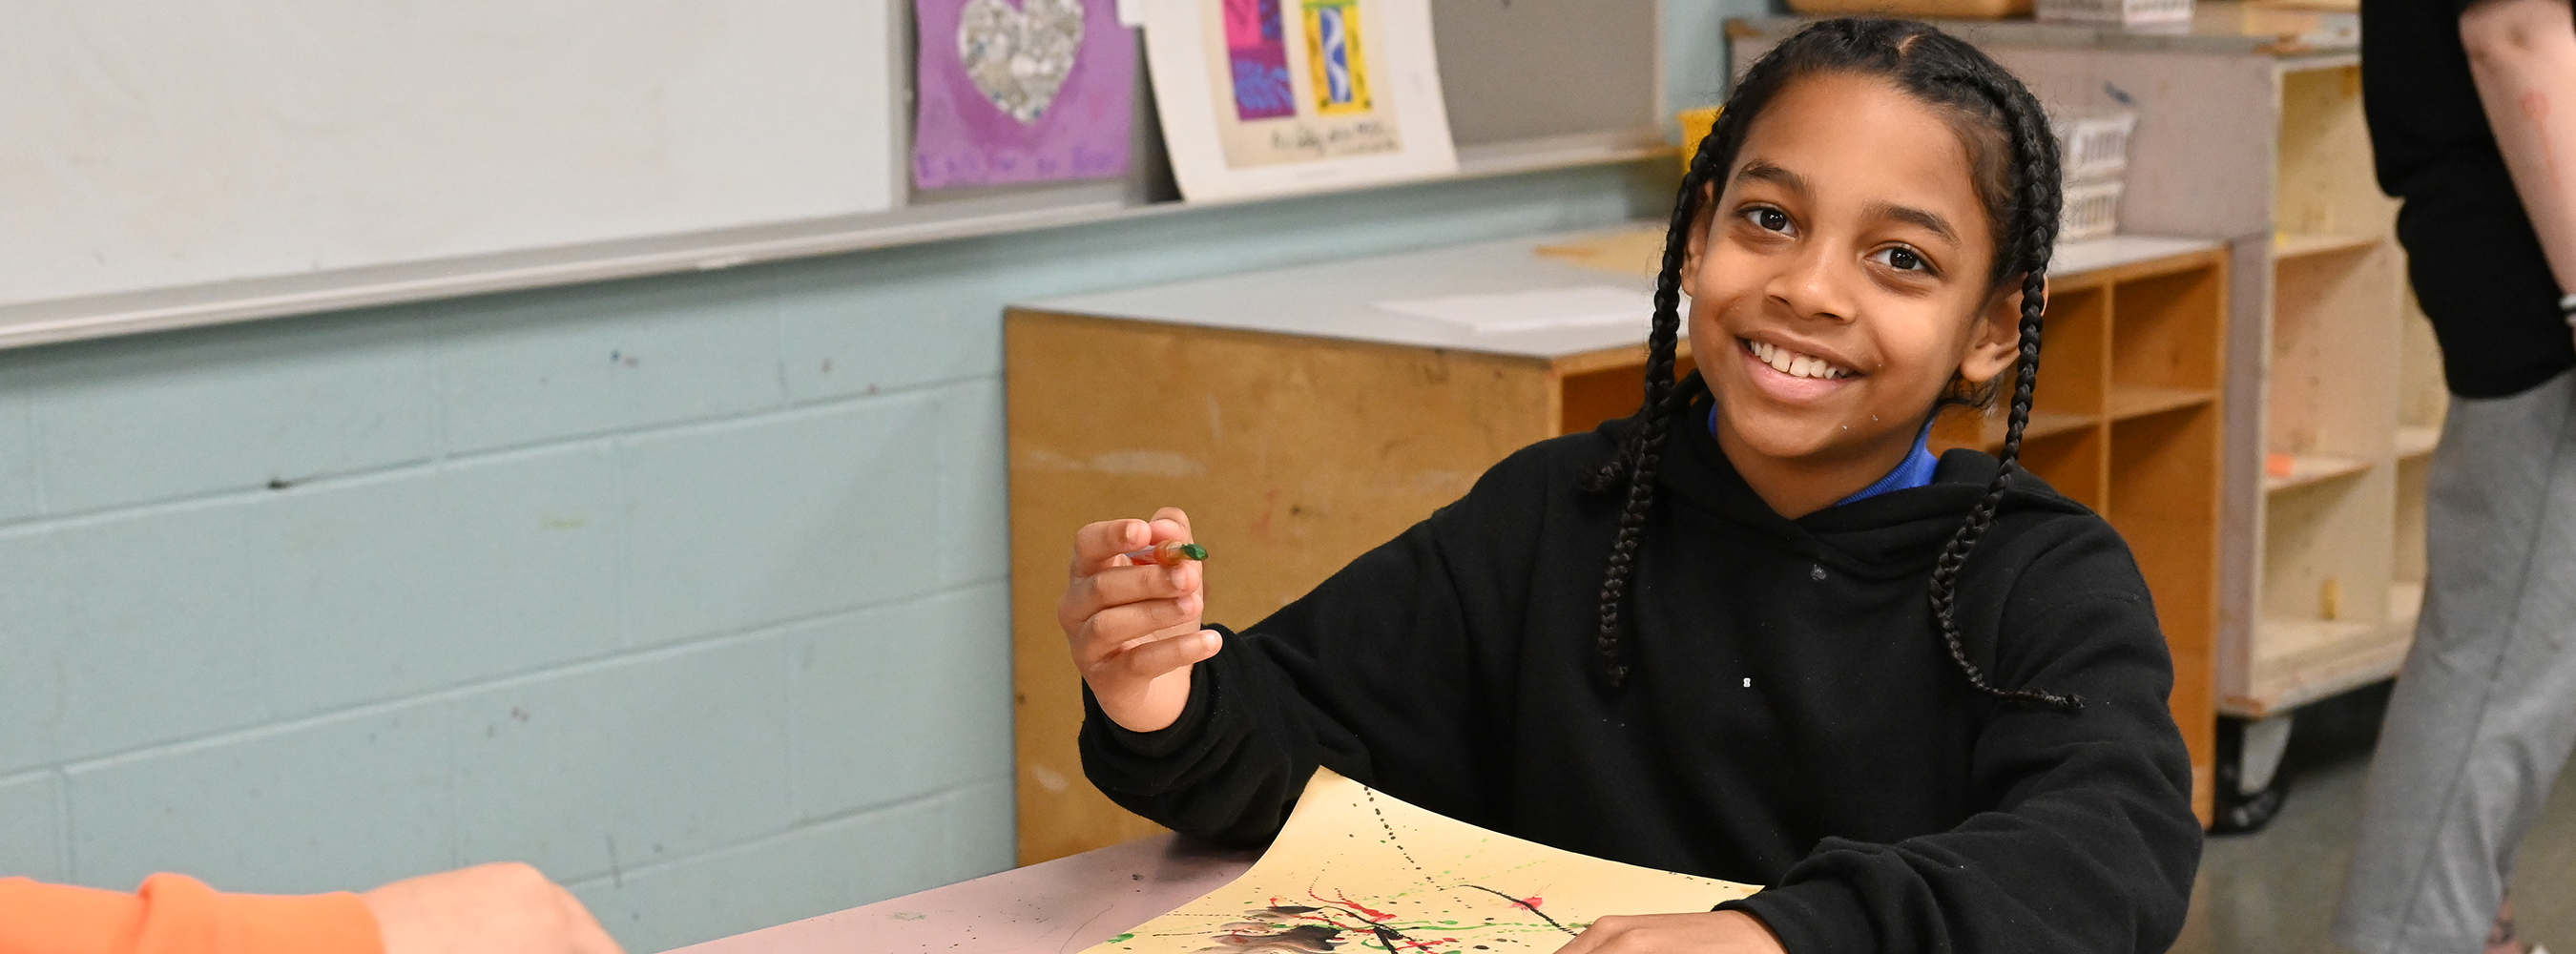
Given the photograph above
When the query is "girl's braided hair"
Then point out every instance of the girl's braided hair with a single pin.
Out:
(2015, 159)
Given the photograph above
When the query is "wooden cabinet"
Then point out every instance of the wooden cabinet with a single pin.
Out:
(1301, 425)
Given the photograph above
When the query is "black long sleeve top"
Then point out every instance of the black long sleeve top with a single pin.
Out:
(1791, 717)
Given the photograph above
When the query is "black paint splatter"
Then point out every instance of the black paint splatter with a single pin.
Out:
(1523, 905)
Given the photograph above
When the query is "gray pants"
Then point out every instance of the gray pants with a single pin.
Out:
(2485, 709)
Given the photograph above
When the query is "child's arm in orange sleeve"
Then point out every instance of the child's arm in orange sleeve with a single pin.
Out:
(175, 914)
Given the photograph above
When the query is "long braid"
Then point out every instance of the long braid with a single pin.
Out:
(2035, 148)
(1641, 455)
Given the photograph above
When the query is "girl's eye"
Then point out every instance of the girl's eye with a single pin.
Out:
(1901, 259)
(1767, 218)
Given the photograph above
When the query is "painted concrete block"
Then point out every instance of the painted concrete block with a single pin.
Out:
(163, 636)
(901, 702)
(343, 803)
(974, 484)
(983, 830)
(35, 641)
(747, 524)
(433, 578)
(172, 416)
(622, 765)
(873, 324)
(594, 359)
(18, 497)
(31, 817)
(803, 873)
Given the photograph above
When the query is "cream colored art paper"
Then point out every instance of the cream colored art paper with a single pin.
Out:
(1356, 870)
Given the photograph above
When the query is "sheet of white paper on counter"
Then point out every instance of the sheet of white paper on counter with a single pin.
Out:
(1537, 310)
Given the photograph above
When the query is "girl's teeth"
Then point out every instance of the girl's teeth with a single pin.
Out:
(1794, 364)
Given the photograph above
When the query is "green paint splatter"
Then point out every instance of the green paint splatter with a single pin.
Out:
(1123, 938)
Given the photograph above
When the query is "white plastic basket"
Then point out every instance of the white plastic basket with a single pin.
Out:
(2092, 210)
(2094, 148)
(2125, 14)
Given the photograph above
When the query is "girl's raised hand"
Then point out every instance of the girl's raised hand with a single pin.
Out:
(1134, 627)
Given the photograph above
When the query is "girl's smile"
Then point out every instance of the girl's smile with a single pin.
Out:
(1796, 372)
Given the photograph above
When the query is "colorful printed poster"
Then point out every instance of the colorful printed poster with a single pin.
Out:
(1356, 870)
(1256, 47)
(1261, 97)
(1021, 91)
(1333, 57)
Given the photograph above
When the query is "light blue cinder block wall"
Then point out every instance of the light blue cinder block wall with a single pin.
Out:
(689, 590)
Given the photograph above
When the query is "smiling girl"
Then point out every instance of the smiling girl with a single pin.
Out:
(1756, 686)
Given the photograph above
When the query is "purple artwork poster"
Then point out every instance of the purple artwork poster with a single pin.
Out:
(1022, 91)
(1257, 47)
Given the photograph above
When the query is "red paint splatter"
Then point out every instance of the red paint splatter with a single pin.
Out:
(1345, 901)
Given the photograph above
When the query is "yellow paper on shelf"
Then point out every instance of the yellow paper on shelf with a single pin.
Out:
(1637, 251)
(1356, 867)
(1696, 125)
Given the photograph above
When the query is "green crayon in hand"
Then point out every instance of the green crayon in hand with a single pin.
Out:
(1169, 553)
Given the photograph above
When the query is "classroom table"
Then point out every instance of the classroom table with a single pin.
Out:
(1057, 907)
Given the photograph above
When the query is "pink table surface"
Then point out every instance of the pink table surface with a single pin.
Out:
(1056, 907)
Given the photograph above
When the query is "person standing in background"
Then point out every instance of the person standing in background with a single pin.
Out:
(2472, 113)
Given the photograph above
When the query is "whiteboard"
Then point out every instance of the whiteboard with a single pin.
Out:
(145, 145)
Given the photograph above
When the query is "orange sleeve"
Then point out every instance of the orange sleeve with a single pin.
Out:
(175, 914)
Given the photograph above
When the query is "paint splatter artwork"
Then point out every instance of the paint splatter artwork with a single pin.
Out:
(1357, 871)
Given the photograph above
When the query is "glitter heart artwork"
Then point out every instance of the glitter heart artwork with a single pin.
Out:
(1020, 58)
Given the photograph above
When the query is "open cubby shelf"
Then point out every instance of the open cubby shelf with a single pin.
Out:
(2130, 402)
(2122, 345)
(2307, 470)
(2288, 246)
(1990, 428)
(2417, 440)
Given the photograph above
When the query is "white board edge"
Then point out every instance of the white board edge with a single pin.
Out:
(57, 321)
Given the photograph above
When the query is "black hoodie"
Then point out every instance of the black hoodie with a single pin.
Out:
(1791, 717)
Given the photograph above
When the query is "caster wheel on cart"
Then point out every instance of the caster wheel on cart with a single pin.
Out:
(2251, 786)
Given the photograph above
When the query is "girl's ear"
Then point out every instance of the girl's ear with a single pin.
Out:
(1998, 339)
(1696, 245)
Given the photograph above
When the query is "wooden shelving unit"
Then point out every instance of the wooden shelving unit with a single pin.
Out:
(2341, 535)
(1285, 367)
(2292, 471)
(2289, 247)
